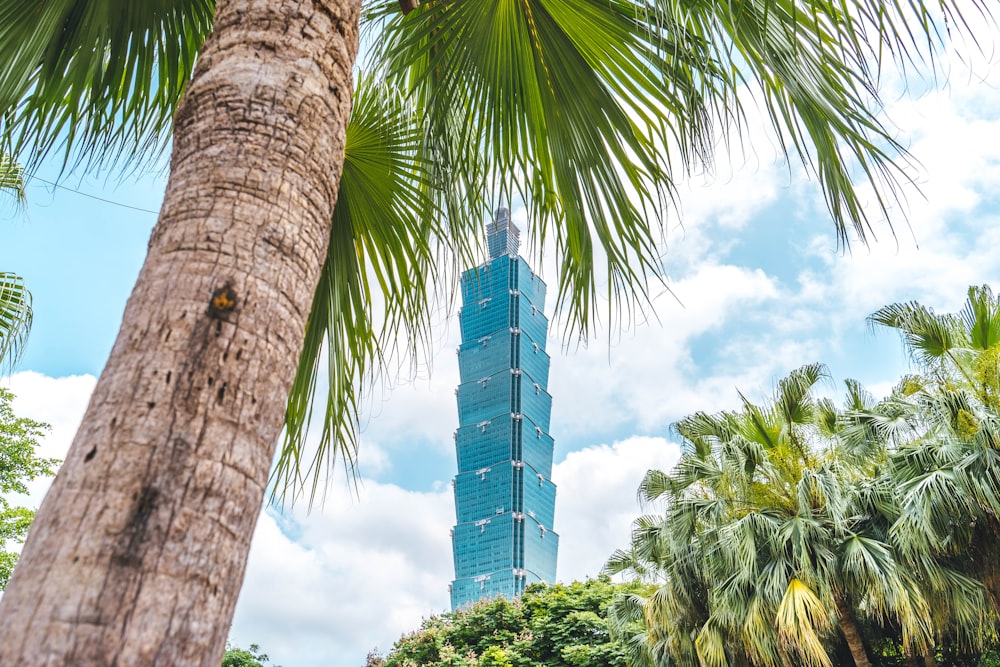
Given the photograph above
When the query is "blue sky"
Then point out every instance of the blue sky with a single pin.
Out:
(81, 257)
(759, 288)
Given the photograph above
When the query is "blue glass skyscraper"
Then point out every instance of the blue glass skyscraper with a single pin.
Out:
(504, 495)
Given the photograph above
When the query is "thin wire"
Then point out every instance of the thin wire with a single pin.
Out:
(84, 194)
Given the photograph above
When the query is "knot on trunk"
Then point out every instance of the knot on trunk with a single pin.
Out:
(223, 301)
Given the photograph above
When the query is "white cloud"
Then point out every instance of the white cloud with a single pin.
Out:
(597, 502)
(948, 229)
(346, 579)
(59, 402)
(649, 377)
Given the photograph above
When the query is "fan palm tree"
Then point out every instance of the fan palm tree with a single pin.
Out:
(872, 436)
(777, 533)
(590, 107)
(949, 477)
(15, 300)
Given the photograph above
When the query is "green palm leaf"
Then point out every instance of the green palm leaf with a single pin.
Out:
(981, 316)
(591, 108)
(566, 102)
(928, 336)
(11, 177)
(711, 645)
(373, 304)
(102, 76)
(15, 318)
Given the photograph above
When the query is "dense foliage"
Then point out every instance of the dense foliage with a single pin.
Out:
(248, 657)
(799, 532)
(557, 626)
(19, 464)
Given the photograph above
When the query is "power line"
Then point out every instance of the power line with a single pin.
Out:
(84, 194)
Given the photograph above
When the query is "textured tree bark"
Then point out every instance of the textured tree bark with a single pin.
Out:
(137, 554)
(850, 629)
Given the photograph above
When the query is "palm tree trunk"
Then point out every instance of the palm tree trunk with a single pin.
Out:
(850, 629)
(927, 659)
(137, 554)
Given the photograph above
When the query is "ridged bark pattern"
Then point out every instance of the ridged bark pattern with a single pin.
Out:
(138, 552)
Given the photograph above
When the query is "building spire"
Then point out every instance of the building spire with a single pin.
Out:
(502, 235)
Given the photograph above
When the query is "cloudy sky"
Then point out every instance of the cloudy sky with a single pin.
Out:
(758, 286)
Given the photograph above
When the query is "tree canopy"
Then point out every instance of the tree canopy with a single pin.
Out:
(19, 464)
(252, 656)
(564, 625)
(801, 532)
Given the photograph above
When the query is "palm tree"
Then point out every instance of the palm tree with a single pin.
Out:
(15, 300)
(138, 551)
(873, 436)
(779, 535)
(949, 477)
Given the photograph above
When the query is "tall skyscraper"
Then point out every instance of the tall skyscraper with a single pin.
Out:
(504, 495)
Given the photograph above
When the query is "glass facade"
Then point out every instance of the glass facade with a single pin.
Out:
(504, 497)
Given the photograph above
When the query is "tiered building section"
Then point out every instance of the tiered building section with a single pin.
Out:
(504, 495)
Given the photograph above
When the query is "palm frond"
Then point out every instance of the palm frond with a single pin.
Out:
(660, 96)
(857, 398)
(15, 319)
(376, 292)
(793, 400)
(711, 645)
(12, 178)
(701, 431)
(570, 103)
(625, 610)
(962, 602)
(981, 315)
(930, 498)
(801, 620)
(867, 565)
(102, 78)
(654, 485)
(928, 336)
(758, 633)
